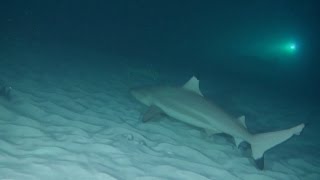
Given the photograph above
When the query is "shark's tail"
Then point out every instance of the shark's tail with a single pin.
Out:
(264, 141)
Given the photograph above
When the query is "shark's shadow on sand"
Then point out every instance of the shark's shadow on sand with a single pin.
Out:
(188, 105)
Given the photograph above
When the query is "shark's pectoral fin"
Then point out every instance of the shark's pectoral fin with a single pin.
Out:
(152, 113)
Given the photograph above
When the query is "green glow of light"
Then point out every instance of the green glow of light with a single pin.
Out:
(293, 47)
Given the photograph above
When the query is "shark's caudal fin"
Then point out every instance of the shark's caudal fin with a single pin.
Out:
(264, 141)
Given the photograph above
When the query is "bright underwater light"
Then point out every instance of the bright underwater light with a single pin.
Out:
(290, 48)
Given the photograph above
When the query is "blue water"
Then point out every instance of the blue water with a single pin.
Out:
(66, 69)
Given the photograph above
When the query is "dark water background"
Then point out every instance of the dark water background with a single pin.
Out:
(212, 39)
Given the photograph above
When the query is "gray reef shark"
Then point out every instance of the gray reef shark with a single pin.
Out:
(188, 105)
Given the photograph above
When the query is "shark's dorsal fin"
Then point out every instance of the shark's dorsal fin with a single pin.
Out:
(193, 85)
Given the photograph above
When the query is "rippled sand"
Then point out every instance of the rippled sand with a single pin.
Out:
(74, 124)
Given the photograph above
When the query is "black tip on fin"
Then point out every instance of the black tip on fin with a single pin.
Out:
(260, 163)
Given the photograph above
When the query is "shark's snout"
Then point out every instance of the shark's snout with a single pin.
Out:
(140, 94)
(133, 92)
(136, 93)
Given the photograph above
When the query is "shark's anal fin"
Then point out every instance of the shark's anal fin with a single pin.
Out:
(152, 113)
(242, 121)
(238, 141)
(193, 85)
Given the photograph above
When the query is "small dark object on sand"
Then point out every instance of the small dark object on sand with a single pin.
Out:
(6, 92)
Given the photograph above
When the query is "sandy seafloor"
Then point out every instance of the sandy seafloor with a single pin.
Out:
(71, 121)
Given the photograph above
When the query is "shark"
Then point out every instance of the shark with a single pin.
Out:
(187, 104)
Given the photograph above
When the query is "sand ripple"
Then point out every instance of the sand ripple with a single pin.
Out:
(75, 129)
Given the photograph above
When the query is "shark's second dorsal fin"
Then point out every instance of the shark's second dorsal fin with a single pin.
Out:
(193, 85)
